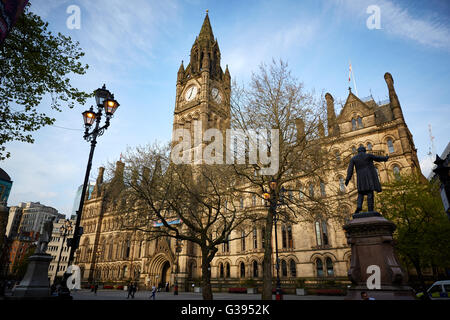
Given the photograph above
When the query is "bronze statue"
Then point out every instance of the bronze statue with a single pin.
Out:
(367, 177)
(45, 236)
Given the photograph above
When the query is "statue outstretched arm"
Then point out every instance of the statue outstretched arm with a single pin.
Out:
(378, 158)
(349, 172)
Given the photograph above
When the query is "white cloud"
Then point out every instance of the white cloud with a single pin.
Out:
(426, 165)
(429, 30)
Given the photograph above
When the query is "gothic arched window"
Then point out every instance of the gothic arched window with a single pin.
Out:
(293, 268)
(369, 146)
(360, 123)
(255, 269)
(319, 267)
(242, 269)
(284, 271)
(353, 124)
(390, 145)
(329, 264)
(227, 269)
(341, 184)
(221, 270)
(396, 170)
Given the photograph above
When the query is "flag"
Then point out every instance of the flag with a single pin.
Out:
(9, 12)
(350, 73)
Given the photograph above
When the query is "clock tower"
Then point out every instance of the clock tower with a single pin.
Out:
(203, 89)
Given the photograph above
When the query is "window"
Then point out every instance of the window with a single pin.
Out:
(318, 236)
(300, 193)
(321, 233)
(369, 146)
(228, 270)
(354, 150)
(242, 268)
(128, 248)
(255, 239)
(243, 241)
(255, 269)
(396, 170)
(263, 236)
(311, 190)
(284, 272)
(226, 245)
(360, 123)
(390, 145)
(341, 184)
(221, 270)
(319, 268)
(353, 124)
(338, 156)
(286, 234)
(322, 189)
(293, 268)
(254, 200)
(242, 203)
(329, 263)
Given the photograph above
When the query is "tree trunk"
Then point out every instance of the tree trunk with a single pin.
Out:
(267, 261)
(206, 276)
(418, 268)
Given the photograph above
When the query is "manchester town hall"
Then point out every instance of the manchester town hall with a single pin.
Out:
(308, 250)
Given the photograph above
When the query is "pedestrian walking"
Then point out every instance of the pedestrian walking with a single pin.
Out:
(130, 290)
(167, 286)
(153, 297)
(134, 290)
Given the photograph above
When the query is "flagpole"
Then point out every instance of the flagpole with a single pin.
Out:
(354, 83)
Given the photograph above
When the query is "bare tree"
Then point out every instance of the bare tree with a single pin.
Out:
(198, 196)
(276, 100)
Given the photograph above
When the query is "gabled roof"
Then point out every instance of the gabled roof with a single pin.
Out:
(351, 97)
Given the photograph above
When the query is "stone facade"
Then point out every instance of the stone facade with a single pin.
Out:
(309, 249)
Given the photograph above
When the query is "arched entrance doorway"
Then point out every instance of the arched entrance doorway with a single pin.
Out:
(165, 274)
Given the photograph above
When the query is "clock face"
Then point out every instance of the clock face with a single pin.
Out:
(191, 93)
(216, 95)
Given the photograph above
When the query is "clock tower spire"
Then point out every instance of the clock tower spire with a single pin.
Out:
(203, 88)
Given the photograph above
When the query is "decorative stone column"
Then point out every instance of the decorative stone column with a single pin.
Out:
(370, 237)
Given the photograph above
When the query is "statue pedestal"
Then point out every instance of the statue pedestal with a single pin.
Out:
(35, 283)
(370, 237)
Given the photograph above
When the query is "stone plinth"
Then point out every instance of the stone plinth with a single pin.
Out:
(35, 284)
(370, 238)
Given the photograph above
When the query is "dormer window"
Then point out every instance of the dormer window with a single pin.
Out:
(360, 123)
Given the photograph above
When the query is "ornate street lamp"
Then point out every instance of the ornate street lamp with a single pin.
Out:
(64, 231)
(105, 103)
(274, 201)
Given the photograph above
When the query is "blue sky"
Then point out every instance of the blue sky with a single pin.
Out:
(136, 48)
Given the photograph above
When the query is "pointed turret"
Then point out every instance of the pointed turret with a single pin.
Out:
(395, 103)
(300, 125)
(206, 33)
(333, 128)
(181, 72)
(205, 53)
(321, 128)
